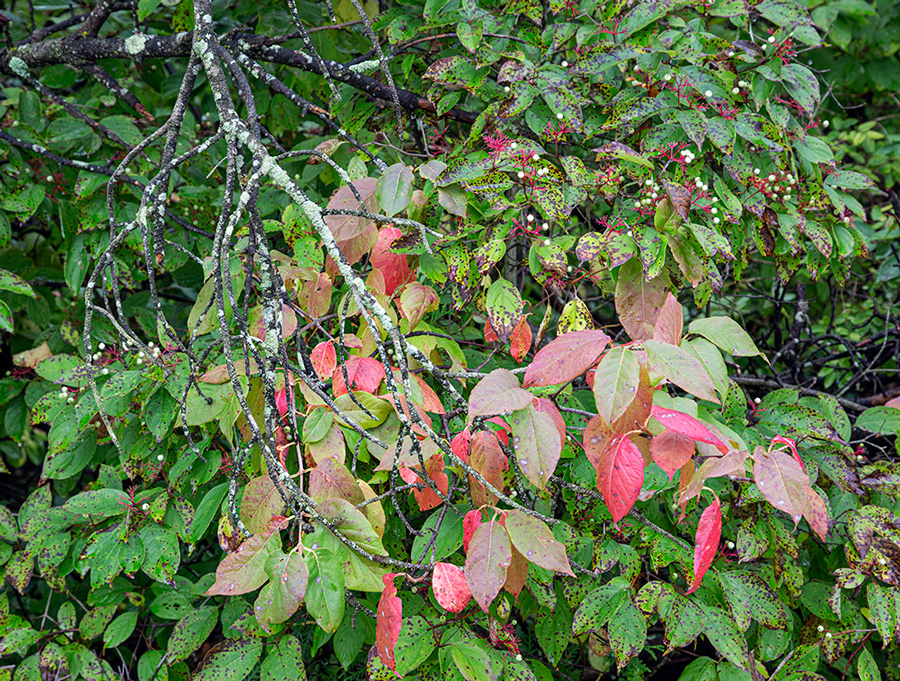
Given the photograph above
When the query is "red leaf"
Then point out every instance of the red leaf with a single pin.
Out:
(488, 557)
(393, 266)
(671, 450)
(388, 622)
(709, 531)
(687, 425)
(596, 438)
(565, 358)
(471, 521)
(324, 359)
(496, 393)
(459, 445)
(365, 373)
(816, 514)
(490, 335)
(620, 475)
(449, 585)
(520, 340)
(434, 468)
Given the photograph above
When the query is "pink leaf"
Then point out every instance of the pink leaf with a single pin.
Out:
(488, 557)
(388, 623)
(620, 475)
(791, 445)
(548, 407)
(670, 322)
(496, 393)
(459, 445)
(471, 521)
(565, 358)
(784, 484)
(449, 585)
(687, 425)
(706, 543)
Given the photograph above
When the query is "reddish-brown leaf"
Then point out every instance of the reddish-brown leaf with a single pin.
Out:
(330, 479)
(687, 425)
(365, 373)
(816, 513)
(434, 469)
(731, 463)
(520, 340)
(486, 457)
(257, 326)
(459, 445)
(566, 358)
(471, 521)
(706, 543)
(670, 322)
(490, 336)
(388, 622)
(671, 450)
(785, 485)
(596, 438)
(791, 445)
(639, 301)
(496, 393)
(393, 266)
(516, 574)
(449, 585)
(487, 560)
(620, 475)
(636, 413)
(315, 296)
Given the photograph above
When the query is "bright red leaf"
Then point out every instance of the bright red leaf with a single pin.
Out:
(620, 475)
(449, 585)
(365, 373)
(471, 521)
(434, 469)
(565, 358)
(706, 543)
(459, 445)
(388, 623)
(687, 425)
(393, 266)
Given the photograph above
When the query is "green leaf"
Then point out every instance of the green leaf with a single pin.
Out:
(284, 661)
(615, 382)
(160, 410)
(14, 283)
(537, 443)
(627, 633)
(415, 644)
(449, 537)
(533, 539)
(163, 553)
(325, 593)
(726, 334)
(394, 188)
(472, 662)
(231, 660)
(280, 598)
(880, 420)
(190, 632)
(120, 629)
(723, 633)
(682, 368)
(146, 8)
(883, 609)
(599, 605)
(867, 667)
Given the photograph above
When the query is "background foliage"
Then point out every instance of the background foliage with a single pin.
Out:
(613, 292)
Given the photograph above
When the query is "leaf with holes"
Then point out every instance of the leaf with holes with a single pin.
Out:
(448, 582)
(706, 542)
(487, 560)
(533, 539)
(537, 444)
(620, 475)
(566, 358)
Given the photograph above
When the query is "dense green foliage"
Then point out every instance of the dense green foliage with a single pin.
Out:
(613, 288)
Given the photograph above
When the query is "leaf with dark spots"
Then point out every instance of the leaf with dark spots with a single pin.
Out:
(503, 305)
(679, 196)
(598, 606)
(799, 420)
(284, 661)
(590, 246)
(230, 660)
(750, 597)
(487, 560)
(621, 152)
(243, 570)
(190, 632)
